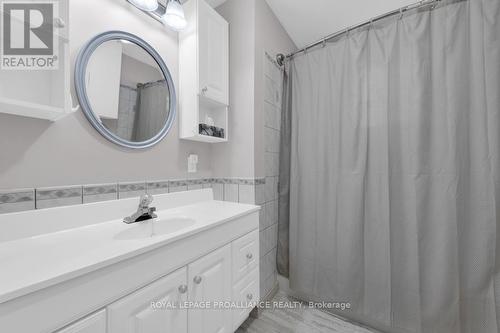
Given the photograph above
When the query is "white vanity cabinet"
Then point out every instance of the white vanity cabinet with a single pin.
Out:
(206, 282)
(203, 72)
(148, 284)
(210, 282)
(151, 309)
(246, 287)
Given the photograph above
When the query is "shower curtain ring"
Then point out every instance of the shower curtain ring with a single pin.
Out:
(323, 43)
(401, 13)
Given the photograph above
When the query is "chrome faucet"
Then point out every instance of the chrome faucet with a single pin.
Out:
(144, 212)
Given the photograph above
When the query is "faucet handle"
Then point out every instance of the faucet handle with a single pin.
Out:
(146, 200)
(151, 212)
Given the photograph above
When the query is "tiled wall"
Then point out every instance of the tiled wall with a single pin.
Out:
(228, 189)
(268, 193)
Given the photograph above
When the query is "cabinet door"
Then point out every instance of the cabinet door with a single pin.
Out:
(209, 282)
(213, 34)
(149, 310)
(95, 323)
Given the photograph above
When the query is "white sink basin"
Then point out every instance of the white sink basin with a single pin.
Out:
(159, 227)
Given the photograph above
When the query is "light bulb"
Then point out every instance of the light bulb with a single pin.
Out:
(146, 5)
(174, 16)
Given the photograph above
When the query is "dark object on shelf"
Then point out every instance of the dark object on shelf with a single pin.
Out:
(211, 131)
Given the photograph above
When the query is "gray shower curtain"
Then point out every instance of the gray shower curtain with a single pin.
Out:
(394, 177)
(152, 109)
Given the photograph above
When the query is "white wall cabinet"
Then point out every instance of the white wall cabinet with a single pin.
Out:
(41, 93)
(210, 282)
(204, 72)
(213, 54)
(150, 310)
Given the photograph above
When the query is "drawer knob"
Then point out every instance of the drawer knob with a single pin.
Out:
(183, 289)
(249, 256)
(197, 279)
(249, 297)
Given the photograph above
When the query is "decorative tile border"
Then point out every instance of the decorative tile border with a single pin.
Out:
(178, 183)
(240, 181)
(100, 192)
(49, 193)
(49, 197)
(17, 196)
(100, 189)
(17, 200)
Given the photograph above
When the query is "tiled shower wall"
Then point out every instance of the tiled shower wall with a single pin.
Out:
(269, 219)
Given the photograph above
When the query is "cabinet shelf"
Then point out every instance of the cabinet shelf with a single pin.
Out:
(32, 110)
(207, 138)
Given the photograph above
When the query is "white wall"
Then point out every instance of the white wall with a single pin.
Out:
(236, 157)
(37, 153)
(253, 30)
(134, 71)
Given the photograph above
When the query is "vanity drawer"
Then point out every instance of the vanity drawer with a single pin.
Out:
(245, 255)
(245, 293)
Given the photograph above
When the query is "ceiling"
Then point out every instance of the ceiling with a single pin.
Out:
(306, 21)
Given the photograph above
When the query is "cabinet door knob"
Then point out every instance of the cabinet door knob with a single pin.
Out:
(197, 279)
(183, 289)
(249, 297)
(249, 256)
(204, 90)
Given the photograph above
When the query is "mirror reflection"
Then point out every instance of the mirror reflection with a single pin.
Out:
(127, 90)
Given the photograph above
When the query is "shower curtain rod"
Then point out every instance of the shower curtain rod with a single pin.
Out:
(280, 58)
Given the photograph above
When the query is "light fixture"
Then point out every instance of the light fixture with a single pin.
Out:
(145, 5)
(174, 16)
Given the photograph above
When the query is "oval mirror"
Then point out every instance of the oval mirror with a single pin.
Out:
(125, 89)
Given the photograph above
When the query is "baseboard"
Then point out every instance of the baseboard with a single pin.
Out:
(273, 291)
(257, 311)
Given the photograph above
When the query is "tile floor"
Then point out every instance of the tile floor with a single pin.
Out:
(297, 320)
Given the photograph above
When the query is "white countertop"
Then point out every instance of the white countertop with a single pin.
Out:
(33, 263)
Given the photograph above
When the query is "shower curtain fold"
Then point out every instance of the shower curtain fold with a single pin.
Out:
(394, 172)
(152, 110)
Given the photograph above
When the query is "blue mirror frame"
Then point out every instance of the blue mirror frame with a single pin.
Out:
(81, 89)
